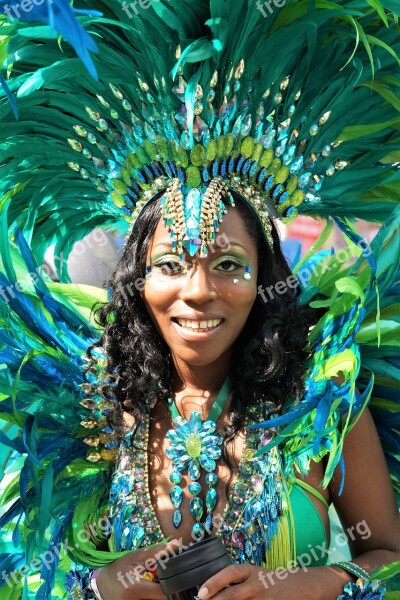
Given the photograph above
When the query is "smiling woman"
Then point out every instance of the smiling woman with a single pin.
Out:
(219, 398)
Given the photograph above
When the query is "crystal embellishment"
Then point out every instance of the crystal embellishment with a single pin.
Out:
(194, 445)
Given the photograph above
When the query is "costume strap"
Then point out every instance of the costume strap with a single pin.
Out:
(217, 407)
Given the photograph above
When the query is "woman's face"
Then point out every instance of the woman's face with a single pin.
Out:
(200, 305)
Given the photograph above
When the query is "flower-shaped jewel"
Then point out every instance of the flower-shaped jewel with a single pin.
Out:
(194, 444)
(362, 590)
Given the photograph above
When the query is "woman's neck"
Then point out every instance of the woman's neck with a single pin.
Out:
(195, 380)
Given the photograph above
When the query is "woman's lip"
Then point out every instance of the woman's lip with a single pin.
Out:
(196, 335)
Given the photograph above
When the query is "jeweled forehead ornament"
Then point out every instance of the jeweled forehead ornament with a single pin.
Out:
(193, 220)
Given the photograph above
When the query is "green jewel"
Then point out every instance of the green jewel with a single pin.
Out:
(196, 508)
(211, 499)
(193, 445)
(198, 530)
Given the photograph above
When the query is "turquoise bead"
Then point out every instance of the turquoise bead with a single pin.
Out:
(211, 498)
(211, 478)
(175, 477)
(195, 488)
(198, 530)
(194, 470)
(196, 508)
(176, 496)
(177, 517)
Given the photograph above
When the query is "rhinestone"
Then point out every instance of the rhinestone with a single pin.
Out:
(284, 84)
(75, 145)
(325, 117)
(194, 470)
(211, 498)
(175, 477)
(195, 488)
(79, 130)
(196, 508)
(211, 478)
(314, 129)
(177, 517)
(198, 530)
(126, 105)
(326, 150)
(95, 116)
(330, 171)
(93, 457)
(175, 495)
(89, 423)
(341, 164)
(92, 440)
(117, 93)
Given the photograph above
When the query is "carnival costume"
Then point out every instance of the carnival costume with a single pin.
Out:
(108, 105)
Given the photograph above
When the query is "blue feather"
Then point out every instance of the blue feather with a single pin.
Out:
(9, 95)
(60, 16)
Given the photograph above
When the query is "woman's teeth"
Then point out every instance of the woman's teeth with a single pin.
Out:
(210, 324)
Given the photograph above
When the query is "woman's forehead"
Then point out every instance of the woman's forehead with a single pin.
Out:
(232, 231)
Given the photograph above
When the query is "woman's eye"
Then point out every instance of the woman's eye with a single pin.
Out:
(170, 267)
(228, 265)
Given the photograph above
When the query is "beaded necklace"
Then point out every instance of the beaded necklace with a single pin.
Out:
(252, 513)
(195, 445)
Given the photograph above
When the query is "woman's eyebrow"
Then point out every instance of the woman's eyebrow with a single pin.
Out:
(165, 244)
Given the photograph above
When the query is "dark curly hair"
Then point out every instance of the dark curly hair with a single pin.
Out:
(269, 356)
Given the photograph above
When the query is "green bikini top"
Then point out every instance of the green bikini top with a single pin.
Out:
(310, 532)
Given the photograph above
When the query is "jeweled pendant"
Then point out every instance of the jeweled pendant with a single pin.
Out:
(176, 496)
(196, 508)
(177, 517)
(198, 530)
(211, 499)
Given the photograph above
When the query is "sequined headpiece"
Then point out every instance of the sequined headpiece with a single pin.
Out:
(195, 118)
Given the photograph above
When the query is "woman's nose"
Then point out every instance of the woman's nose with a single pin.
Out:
(198, 286)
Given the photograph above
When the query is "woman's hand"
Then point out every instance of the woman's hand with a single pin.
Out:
(255, 583)
(124, 578)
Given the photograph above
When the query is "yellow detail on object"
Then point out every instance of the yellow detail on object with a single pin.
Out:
(282, 550)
